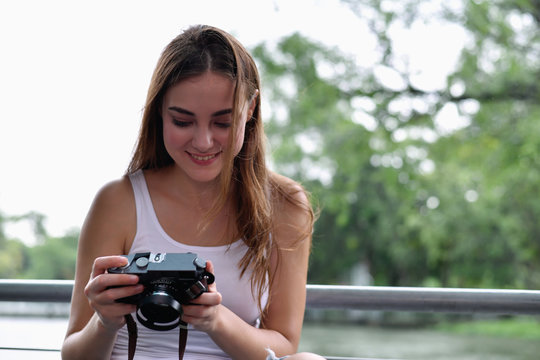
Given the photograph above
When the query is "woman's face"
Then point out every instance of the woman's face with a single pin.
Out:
(197, 123)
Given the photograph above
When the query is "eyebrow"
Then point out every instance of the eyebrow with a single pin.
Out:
(187, 112)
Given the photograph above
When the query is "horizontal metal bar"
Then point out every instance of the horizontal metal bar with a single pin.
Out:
(29, 349)
(416, 299)
(36, 290)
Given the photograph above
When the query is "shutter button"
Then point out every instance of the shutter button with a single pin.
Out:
(200, 263)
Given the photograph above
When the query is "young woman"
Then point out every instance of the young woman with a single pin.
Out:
(198, 183)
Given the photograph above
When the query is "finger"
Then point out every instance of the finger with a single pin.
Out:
(105, 282)
(196, 311)
(208, 298)
(122, 292)
(209, 266)
(105, 302)
(101, 264)
(201, 317)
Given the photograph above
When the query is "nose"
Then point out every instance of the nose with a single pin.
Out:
(203, 139)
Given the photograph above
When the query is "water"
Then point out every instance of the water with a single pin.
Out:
(331, 340)
(34, 333)
(419, 344)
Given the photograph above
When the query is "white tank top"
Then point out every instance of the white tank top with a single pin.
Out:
(236, 292)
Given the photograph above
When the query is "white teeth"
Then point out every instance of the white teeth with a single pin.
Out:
(203, 158)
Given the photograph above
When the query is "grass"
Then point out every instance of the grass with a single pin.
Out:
(522, 328)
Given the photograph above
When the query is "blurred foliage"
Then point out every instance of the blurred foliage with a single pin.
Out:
(416, 202)
(50, 258)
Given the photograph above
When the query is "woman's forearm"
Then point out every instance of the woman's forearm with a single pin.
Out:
(242, 341)
(93, 342)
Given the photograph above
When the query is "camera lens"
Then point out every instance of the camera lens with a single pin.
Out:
(159, 311)
(161, 308)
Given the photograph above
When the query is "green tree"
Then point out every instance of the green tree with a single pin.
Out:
(319, 142)
(53, 259)
(49, 258)
(491, 168)
(418, 204)
(13, 253)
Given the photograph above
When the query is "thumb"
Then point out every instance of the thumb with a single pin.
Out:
(209, 266)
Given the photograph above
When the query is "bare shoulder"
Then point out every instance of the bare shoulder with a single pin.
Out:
(289, 189)
(113, 214)
(118, 191)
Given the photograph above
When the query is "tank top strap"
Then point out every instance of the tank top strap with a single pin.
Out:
(143, 203)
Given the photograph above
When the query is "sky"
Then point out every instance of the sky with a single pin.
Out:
(74, 76)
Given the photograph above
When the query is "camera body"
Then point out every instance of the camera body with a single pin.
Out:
(170, 280)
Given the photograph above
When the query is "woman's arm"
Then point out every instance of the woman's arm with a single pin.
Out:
(95, 317)
(284, 316)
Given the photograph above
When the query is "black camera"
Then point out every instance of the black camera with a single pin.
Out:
(170, 280)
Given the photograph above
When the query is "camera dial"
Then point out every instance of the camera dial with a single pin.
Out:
(142, 262)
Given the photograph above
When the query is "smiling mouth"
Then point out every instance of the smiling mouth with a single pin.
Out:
(203, 158)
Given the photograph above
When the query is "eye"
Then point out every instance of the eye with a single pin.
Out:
(223, 125)
(223, 121)
(181, 123)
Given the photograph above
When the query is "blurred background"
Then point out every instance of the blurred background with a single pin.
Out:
(415, 124)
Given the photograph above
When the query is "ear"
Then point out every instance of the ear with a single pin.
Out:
(253, 104)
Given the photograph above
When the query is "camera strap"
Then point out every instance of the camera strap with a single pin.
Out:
(133, 334)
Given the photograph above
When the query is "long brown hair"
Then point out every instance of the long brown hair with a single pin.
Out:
(197, 50)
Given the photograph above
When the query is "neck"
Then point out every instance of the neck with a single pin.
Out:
(200, 195)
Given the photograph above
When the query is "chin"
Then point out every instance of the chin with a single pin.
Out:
(200, 174)
(204, 178)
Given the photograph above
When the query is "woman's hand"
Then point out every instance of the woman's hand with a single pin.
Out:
(202, 312)
(101, 296)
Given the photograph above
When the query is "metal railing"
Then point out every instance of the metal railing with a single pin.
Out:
(417, 299)
(446, 300)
